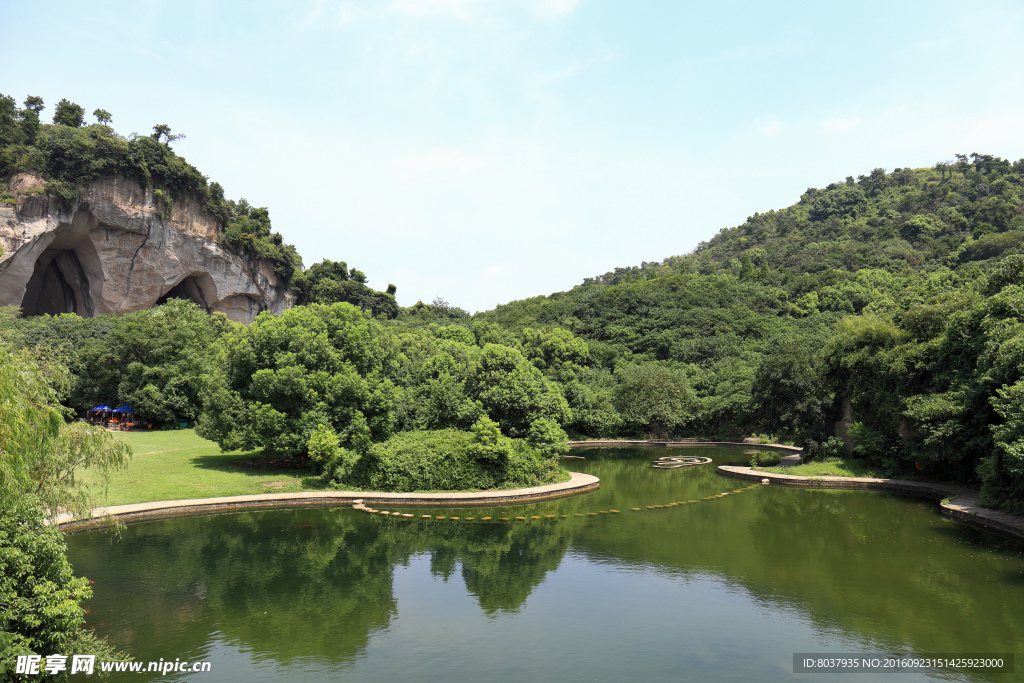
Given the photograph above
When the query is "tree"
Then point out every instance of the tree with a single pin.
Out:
(789, 395)
(103, 116)
(514, 392)
(331, 282)
(162, 131)
(69, 114)
(39, 453)
(30, 118)
(39, 594)
(153, 359)
(34, 104)
(40, 610)
(653, 397)
(8, 122)
(276, 381)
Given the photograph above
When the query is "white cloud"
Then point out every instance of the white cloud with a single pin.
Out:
(464, 9)
(441, 160)
(770, 128)
(838, 125)
(549, 9)
(343, 12)
(314, 14)
(421, 8)
(346, 14)
(565, 72)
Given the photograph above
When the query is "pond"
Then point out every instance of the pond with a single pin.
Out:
(727, 588)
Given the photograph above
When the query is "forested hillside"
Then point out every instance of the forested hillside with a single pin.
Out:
(892, 300)
(880, 316)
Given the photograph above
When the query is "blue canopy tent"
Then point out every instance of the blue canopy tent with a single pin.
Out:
(97, 414)
(126, 414)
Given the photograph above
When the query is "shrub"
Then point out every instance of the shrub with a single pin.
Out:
(452, 460)
(39, 594)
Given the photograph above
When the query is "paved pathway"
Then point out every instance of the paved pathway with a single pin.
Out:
(958, 502)
(578, 483)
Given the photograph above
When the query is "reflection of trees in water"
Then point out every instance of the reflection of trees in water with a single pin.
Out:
(296, 583)
(308, 585)
(854, 562)
(501, 563)
(299, 583)
(858, 560)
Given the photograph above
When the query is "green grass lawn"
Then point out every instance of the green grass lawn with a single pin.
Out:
(178, 464)
(852, 467)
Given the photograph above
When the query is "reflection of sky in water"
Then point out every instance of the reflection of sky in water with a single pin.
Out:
(726, 589)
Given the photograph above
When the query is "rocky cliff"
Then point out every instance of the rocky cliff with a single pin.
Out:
(120, 249)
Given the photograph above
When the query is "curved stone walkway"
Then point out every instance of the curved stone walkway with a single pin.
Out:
(958, 502)
(578, 483)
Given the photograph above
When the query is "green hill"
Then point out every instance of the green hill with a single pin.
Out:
(881, 316)
(891, 303)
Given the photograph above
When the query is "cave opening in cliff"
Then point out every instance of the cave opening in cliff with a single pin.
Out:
(59, 284)
(190, 289)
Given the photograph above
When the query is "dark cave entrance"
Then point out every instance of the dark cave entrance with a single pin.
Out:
(59, 284)
(188, 289)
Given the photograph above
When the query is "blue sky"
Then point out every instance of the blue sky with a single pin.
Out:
(490, 150)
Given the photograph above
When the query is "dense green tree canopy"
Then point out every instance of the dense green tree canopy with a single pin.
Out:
(330, 282)
(69, 114)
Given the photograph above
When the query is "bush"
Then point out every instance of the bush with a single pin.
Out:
(39, 594)
(452, 460)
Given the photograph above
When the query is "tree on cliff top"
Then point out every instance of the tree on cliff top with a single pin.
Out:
(163, 132)
(69, 114)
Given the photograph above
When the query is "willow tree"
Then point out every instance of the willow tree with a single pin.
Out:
(41, 455)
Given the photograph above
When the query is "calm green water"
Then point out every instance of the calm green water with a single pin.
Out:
(724, 589)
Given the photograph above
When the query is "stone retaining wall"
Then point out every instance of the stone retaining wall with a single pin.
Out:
(578, 483)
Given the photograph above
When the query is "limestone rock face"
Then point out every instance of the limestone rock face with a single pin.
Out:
(117, 251)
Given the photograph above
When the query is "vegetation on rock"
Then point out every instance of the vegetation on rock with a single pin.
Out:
(68, 153)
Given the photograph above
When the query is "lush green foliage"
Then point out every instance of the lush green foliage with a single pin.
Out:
(40, 610)
(279, 379)
(153, 359)
(40, 459)
(450, 459)
(935, 382)
(40, 454)
(331, 382)
(330, 282)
